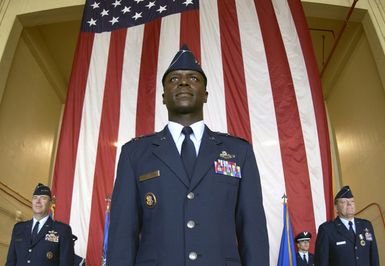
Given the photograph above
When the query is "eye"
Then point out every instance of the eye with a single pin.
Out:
(193, 78)
(174, 79)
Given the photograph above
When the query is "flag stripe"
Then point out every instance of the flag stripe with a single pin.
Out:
(238, 120)
(215, 110)
(129, 94)
(106, 153)
(88, 140)
(190, 32)
(145, 113)
(263, 121)
(318, 105)
(293, 151)
(69, 137)
(306, 112)
(168, 45)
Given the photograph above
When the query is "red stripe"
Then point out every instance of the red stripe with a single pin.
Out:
(145, 111)
(238, 119)
(106, 153)
(292, 146)
(319, 107)
(190, 32)
(63, 178)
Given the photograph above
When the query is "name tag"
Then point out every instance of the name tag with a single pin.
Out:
(341, 243)
(149, 176)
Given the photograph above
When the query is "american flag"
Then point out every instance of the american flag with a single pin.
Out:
(263, 86)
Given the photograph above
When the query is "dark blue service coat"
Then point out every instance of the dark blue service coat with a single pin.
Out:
(159, 217)
(302, 262)
(53, 246)
(335, 246)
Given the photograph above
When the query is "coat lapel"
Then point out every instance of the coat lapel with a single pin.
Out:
(208, 153)
(28, 231)
(165, 149)
(341, 228)
(44, 230)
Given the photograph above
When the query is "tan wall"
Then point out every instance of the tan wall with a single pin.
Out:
(30, 114)
(356, 106)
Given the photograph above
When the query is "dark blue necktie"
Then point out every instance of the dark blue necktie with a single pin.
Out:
(35, 231)
(351, 231)
(188, 153)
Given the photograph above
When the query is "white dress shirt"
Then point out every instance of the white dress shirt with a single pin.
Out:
(178, 137)
(346, 223)
(41, 223)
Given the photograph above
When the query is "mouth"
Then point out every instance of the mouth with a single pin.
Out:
(184, 94)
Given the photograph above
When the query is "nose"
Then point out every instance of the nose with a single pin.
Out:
(183, 81)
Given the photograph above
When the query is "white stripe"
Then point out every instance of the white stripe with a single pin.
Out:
(305, 106)
(88, 141)
(215, 109)
(168, 47)
(129, 90)
(263, 122)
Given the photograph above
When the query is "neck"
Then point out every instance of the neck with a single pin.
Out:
(38, 217)
(185, 119)
(349, 218)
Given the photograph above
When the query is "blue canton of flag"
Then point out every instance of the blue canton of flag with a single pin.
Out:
(102, 15)
(287, 256)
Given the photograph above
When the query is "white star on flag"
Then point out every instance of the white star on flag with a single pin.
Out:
(150, 4)
(116, 3)
(188, 2)
(104, 13)
(161, 9)
(126, 10)
(137, 15)
(95, 5)
(138, 1)
(114, 20)
(92, 22)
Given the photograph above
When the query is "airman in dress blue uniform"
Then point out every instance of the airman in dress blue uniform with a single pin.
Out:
(304, 257)
(346, 240)
(187, 195)
(41, 241)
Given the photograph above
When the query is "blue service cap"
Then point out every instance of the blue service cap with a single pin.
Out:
(41, 189)
(303, 236)
(345, 192)
(185, 60)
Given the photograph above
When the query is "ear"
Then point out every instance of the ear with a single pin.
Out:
(206, 96)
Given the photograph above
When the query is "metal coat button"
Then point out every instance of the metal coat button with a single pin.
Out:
(191, 224)
(190, 195)
(193, 255)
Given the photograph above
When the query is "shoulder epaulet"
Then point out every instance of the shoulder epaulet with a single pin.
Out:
(141, 137)
(232, 136)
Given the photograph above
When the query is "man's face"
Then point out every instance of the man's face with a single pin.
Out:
(346, 208)
(184, 92)
(41, 205)
(303, 245)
